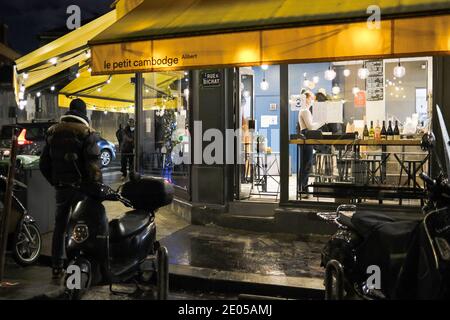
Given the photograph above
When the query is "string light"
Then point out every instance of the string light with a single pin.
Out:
(25, 76)
(265, 67)
(89, 69)
(316, 79)
(52, 88)
(88, 54)
(38, 94)
(347, 73)
(53, 61)
(77, 75)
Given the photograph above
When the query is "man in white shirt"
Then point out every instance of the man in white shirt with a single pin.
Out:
(306, 122)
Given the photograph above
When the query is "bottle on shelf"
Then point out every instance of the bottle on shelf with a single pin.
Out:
(371, 131)
(378, 131)
(396, 132)
(383, 133)
(366, 132)
(390, 132)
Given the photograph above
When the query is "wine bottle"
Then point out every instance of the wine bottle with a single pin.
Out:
(378, 131)
(396, 131)
(366, 132)
(390, 132)
(371, 131)
(383, 134)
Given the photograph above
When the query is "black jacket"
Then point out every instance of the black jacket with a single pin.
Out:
(127, 141)
(72, 135)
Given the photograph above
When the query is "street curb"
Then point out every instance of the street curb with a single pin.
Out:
(209, 280)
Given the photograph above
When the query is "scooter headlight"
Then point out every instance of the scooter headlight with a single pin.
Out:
(80, 233)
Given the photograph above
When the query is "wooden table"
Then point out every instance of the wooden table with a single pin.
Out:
(356, 144)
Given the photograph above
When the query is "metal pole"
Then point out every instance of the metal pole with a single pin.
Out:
(138, 113)
(284, 133)
(163, 273)
(4, 219)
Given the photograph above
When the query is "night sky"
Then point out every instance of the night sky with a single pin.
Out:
(29, 18)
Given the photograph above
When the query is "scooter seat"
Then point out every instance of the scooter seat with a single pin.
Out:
(364, 222)
(131, 223)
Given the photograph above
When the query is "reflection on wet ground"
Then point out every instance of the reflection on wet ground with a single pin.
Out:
(242, 251)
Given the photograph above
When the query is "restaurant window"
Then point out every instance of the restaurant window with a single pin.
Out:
(355, 130)
(165, 128)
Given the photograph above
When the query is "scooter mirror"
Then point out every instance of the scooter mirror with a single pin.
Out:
(70, 157)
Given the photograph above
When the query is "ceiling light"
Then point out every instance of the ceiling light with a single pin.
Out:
(363, 73)
(336, 90)
(264, 85)
(330, 74)
(399, 71)
(265, 67)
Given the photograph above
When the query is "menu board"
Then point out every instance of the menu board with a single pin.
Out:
(375, 81)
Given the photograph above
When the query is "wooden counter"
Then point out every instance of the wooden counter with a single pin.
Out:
(358, 142)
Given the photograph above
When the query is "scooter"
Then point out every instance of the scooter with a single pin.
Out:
(121, 250)
(375, 257)
(25, 240)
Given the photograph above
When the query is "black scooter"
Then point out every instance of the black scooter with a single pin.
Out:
(124, 249)
(374, 257)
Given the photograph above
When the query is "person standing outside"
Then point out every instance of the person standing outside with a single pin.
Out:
(119, 136)
(127, 149)
(71, 156)
(306, 122)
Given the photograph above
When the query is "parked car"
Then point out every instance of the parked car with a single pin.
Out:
(31, 141)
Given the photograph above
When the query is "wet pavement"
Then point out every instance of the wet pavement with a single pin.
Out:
(203, 258)
(242, 251)
(28, 283)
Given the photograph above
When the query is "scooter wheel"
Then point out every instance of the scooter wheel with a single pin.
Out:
(27, 244)
(77, 287)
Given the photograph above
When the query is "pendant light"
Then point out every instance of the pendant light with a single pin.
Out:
(330, 74)
(264, 84)
(347, 72)
(336, 90)
(399, 70)
(363, 72)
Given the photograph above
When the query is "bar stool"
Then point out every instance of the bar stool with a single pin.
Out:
(373, 168)
(324, 167)
(411, 168)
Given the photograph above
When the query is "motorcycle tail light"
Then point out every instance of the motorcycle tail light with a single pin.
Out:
(80, 233)
(21, 140)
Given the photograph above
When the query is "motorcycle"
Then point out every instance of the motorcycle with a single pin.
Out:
(375, 257)
(121, 250)
(24, 237)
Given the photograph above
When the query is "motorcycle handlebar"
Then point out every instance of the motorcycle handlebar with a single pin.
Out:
(427, 179)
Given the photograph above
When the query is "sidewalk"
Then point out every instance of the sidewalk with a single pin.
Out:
(205, 258)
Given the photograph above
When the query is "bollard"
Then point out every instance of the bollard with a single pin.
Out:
(163, 273)
(334, 267)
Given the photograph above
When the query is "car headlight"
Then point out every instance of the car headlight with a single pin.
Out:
(80, 233)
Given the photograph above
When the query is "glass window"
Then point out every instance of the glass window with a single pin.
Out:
(166, 133)
(341, 115)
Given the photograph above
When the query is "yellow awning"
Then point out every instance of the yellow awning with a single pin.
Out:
(183, 34)
(68, 50)
(117, 93)
(177, 18)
